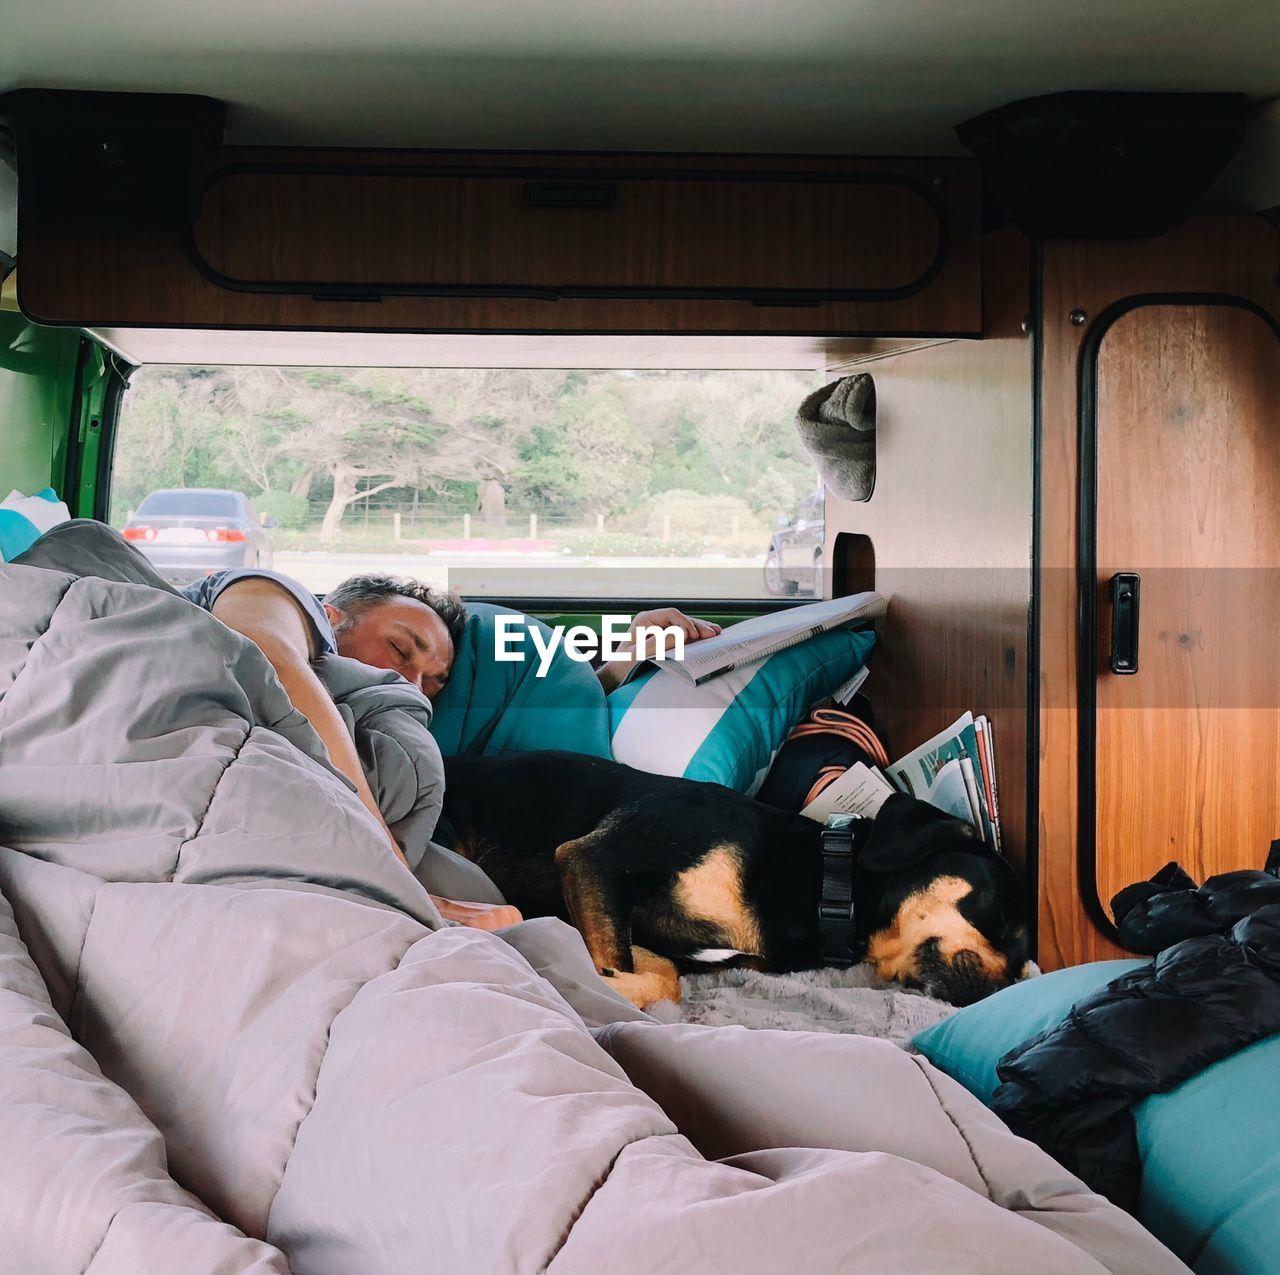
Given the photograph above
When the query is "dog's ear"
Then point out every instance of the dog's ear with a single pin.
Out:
(900, 834)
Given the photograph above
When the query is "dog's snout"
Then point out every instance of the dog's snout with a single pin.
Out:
(960, 978)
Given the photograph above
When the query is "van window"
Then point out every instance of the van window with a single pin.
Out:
(506, 483)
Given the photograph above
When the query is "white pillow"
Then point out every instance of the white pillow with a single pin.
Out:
(729, 729)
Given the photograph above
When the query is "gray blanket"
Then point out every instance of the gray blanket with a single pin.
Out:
(388, 719)
(235, 1037)
(390, 723)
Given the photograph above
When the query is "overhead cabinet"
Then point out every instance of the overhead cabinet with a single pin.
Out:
(535, 242)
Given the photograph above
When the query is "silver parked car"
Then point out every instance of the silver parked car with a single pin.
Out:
(190, 532)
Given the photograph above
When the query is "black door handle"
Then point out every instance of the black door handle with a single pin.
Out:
(1126, 587)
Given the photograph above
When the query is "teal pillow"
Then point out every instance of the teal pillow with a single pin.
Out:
(490, 707)
(1210, 1148)
(728, 730)
(1211, 1164)
(17, 534)
(968, 1045)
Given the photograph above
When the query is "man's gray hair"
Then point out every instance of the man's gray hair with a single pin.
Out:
(357, 594)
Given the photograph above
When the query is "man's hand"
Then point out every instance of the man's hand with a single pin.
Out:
(612, 672)
(478, 916)
(670, 618)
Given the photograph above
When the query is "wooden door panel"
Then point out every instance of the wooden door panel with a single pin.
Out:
(1188, 439)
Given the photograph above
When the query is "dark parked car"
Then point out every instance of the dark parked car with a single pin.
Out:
(194, 531)
(794, 561)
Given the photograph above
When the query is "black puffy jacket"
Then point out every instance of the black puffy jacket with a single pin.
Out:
(1155, 914)
(1071, 1089)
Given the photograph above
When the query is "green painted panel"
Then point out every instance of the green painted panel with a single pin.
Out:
(95, 379)
(37, 382)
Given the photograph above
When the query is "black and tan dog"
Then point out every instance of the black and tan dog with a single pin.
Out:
(664, 876)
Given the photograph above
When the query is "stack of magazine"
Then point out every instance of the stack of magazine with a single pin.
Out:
(955, 771)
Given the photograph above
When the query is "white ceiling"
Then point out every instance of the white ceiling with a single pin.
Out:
(854, 76)
(223, 346)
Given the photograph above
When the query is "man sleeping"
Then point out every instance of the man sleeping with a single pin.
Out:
(385, 622)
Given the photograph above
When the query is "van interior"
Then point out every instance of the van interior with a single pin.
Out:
(523, 302)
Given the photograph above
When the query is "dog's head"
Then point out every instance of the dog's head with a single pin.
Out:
(936, 908)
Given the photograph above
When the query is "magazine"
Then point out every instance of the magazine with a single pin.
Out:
(987, 757)
(763, 635)
(948, 772)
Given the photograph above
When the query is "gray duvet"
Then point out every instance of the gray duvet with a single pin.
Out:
(236, 1037)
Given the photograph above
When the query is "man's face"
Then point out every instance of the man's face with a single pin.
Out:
(400, 634)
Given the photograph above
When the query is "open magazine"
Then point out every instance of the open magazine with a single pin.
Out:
(763, 635)
(954, 771)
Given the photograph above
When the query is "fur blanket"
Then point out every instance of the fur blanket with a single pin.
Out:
(851, 1002)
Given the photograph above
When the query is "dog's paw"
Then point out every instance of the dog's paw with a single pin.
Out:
(655, 979)
(643, 990)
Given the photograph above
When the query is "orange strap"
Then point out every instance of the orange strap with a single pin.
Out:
(834, 721)
(826, 777)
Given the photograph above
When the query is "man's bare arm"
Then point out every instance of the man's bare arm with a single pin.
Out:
(269, 617)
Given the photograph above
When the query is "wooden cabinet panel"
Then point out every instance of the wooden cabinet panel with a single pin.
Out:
(571, 231)
(1083, 284)
(444, 242)
(1188, 496)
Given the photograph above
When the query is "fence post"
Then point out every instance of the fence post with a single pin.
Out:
(395, 521)
(466, 526)
(666, 527)
(599, 522)
(533, 526)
